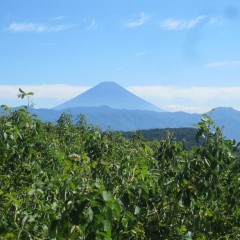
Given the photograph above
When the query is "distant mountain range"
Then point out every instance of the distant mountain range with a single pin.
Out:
(129, 120)
(110, 106)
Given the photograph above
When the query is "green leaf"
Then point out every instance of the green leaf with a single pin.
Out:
(24, 220)
(117, 209)
(106, 196)
(107, 225)
(40, 191)
(31, 192)
(103, 234)
(90, 213)
(16, 201)
(183, 228)
(125, 222)
(21, 91)
(9, 236)
(129, 215)
(137, 210)
(5, 136)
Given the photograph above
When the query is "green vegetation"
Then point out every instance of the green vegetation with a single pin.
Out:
(73, 181)
(187, 135)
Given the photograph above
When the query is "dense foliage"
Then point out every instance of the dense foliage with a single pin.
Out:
(73, 181)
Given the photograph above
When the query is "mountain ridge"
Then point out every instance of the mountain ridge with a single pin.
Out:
(131, 120)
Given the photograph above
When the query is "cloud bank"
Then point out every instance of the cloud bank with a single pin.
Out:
(190, 99)
(170, 98)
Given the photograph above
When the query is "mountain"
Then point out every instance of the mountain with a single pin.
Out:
(229, 119)
(129, 120)
(123, 119)
(108, 94)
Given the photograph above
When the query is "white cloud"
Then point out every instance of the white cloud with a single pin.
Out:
(37, 28)
(178, 24)
(214, 20)
(59, 18)
(223, 64)
(190, 99)
(192, 93)
(56, 91)
(186, 108)
(140, 21)
(92, 26)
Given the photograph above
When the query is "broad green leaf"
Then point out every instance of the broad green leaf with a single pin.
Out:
(15, 200)
(137, 210)
(90, 213)
(24, 220)
(107, 225)
(106, 196)
(31, 192)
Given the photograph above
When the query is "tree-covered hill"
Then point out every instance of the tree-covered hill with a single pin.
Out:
(187, 135)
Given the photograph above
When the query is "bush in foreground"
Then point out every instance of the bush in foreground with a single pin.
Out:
(73, 181)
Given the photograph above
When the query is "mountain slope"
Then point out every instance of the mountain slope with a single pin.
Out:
(122, 119)
(229, 119)
(108, 94)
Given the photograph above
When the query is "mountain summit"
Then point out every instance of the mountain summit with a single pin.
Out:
(108, 94)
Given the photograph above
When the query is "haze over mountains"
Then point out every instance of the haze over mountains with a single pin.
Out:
(109, 105)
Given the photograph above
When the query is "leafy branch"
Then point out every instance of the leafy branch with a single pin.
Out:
(23, 94)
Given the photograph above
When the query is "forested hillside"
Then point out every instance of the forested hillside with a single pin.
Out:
(71, 180)
(187, 135)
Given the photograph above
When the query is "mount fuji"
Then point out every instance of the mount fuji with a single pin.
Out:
(108, 94)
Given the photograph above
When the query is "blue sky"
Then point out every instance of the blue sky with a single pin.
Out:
(181, 55)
